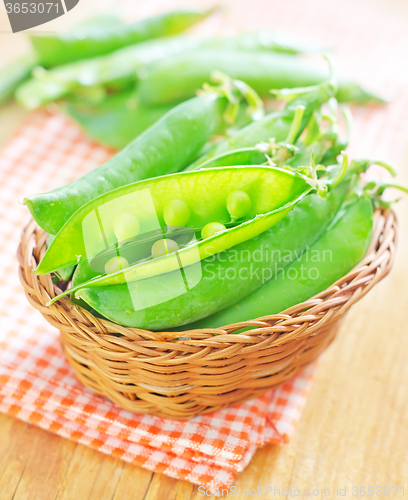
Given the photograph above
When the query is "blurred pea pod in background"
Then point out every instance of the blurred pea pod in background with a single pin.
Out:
(115, 79)
(92, 40)
(19, 70)
(178, 78)
(92, 37)
(122, 68)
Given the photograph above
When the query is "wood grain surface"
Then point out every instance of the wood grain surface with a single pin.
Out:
(353, 432)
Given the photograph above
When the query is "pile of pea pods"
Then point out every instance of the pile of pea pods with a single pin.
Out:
(117, 79)
(217, 212)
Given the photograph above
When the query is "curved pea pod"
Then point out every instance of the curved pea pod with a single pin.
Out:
(167, 146)
(341, 247)
(119, 69)
(163, 302)
(179, 77)
(91, 232)
(90, 77)
(93, 40)
(117, 120)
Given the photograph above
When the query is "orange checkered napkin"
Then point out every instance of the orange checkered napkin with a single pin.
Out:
(38, 385)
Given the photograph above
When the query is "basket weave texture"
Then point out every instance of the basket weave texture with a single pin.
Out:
(154, 372)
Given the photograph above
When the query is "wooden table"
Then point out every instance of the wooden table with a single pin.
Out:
(353, 432)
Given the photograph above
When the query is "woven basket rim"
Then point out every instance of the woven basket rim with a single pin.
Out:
(339, 297)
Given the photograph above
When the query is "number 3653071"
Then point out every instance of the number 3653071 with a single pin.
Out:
(30, 8)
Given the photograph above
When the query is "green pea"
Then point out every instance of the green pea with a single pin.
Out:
(126, 227)
(164, 247)
(211, 228)
(116, 264)
(176, 213)
(238, 204)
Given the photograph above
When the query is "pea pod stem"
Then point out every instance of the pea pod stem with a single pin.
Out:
(310, 176)
(348, 118)
(361, 165)
(255, 104)
(376, 190)
(342, 172)
(384, 185)
(234, 90)
(297, 120)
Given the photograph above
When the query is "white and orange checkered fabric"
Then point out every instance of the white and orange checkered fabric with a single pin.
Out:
(36, 382)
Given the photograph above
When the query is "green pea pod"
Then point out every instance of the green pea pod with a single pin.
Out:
(226, 277)
(94, 40)
(19, 70)
(179, 77)
(277, 124)
(102, 21)
(115, 71)
(13, 74)
(117, 120)
(265, 40)
(284, 126)
(256, 156)
(119, 69)
(90, 232)
(281, 154)
(341, 247)
(167, 146)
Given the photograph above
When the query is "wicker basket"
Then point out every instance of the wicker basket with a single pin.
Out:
(150, 372)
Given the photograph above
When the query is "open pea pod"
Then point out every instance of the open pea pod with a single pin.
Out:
(205, 198)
